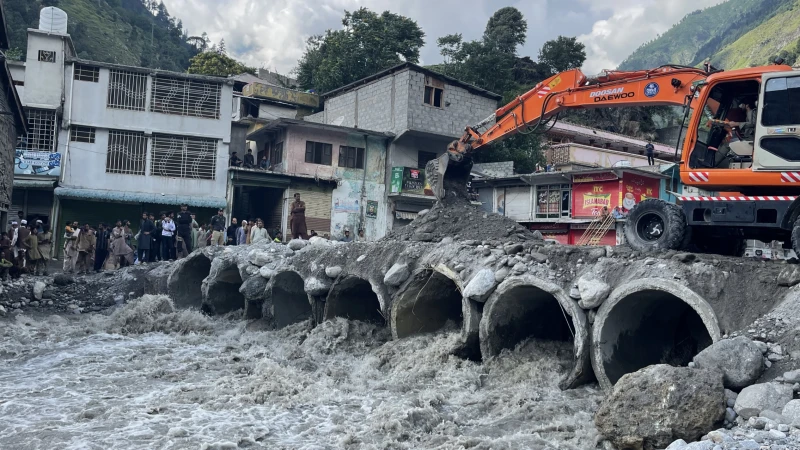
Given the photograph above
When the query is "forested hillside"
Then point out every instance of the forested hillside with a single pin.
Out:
(131, 32)
(723, 34)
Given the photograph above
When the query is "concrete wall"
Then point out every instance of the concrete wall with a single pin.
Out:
(18, 74)
(86, 106)
(86, 168)
(603, 157)
(46, 77)
(464, 109)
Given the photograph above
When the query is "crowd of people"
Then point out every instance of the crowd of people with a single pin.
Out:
(27, 248)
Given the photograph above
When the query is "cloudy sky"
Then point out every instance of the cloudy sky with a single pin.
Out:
(272, 33)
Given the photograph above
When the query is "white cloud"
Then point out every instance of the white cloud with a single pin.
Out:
(629, 24)
(273, 33)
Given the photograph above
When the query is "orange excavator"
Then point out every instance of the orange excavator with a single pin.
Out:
(741, 144)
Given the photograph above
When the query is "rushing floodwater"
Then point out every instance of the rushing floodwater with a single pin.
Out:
(147, 377)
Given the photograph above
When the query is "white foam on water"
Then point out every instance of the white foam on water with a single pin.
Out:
(150, 376)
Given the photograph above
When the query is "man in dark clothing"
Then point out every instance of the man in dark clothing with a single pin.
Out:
(184, 224)
(249, 161)
(218, 228)
(650, 151)
(232, 232)
(101, 247)
(22, 249)
(235, 161)
(145, 244)
(154, 248)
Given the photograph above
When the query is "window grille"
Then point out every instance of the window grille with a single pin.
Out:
(186, 97)
(127, 152)
(87, 73)
(184, 157)
(319, 153)
(41, 131)
(127, 90)
(351, 157)
(82, 134)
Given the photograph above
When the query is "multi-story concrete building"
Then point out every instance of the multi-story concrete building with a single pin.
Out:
(117, 140)
(423, 109)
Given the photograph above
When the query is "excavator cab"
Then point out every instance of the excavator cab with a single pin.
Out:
(777, 140)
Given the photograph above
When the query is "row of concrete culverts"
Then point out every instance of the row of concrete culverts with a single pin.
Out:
(645, 318)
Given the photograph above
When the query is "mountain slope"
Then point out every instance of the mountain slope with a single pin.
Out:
(703, 33)
(756, 47)
(116, 31)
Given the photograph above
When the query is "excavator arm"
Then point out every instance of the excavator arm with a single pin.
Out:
(666, 85)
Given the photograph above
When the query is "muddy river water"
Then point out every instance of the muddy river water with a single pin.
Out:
(148, 377)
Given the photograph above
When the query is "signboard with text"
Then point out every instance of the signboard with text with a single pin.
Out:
(409, 180)
(37, 163)
(589, 198)
(594, 178)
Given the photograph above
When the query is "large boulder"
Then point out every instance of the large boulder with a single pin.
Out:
(480, 286)
(593, 292)
(38, 290)
(761, 397)
(253, 288)
(739, 360)
(652, 407)
(297, 244)
(315, 286)
(397, 275)
(791, 411)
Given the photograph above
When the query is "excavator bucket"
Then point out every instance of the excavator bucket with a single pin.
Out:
(449, 172)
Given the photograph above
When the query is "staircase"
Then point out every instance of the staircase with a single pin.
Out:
(597, 229)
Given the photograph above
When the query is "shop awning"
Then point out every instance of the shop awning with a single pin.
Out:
(139, 197)
(404, 215)
(34, 184)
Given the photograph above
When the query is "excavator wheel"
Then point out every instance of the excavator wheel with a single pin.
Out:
(655, 225)
(796, 237)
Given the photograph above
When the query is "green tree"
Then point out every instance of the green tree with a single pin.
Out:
(367, 44)
(217, 64)
(563, 53)
(505, 30)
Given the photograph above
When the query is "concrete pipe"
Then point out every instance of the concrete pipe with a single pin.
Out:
(354, 298)
(425, 304)
(649, 321)
(287, 301)
(525, 307)
(221, 288)
(185, 281)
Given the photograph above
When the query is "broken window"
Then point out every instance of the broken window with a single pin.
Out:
(423, 158)
(434, 91)
(351, 157)
(319, 153)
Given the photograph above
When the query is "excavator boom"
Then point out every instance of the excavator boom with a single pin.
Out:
(666, 85)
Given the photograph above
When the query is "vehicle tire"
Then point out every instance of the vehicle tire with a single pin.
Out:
(655, 225)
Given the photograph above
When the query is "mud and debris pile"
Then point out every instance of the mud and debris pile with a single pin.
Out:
(454, 217)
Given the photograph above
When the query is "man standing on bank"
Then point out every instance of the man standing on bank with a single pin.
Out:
(184, 222)
(298, 221)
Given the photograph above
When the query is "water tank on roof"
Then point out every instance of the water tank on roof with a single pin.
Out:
(53, 20)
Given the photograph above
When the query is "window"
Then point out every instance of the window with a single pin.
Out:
(184, 97)
(351, 157)
(127, 90)
(47, 56)
(423, 158)
(41, 131)
(19, 83)
(553, 201)
(184, 157)
(87, 73)
(127, 152)
(319, 153)
(82, 134)
(434, 91)
(781, 102)
(276, 155)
